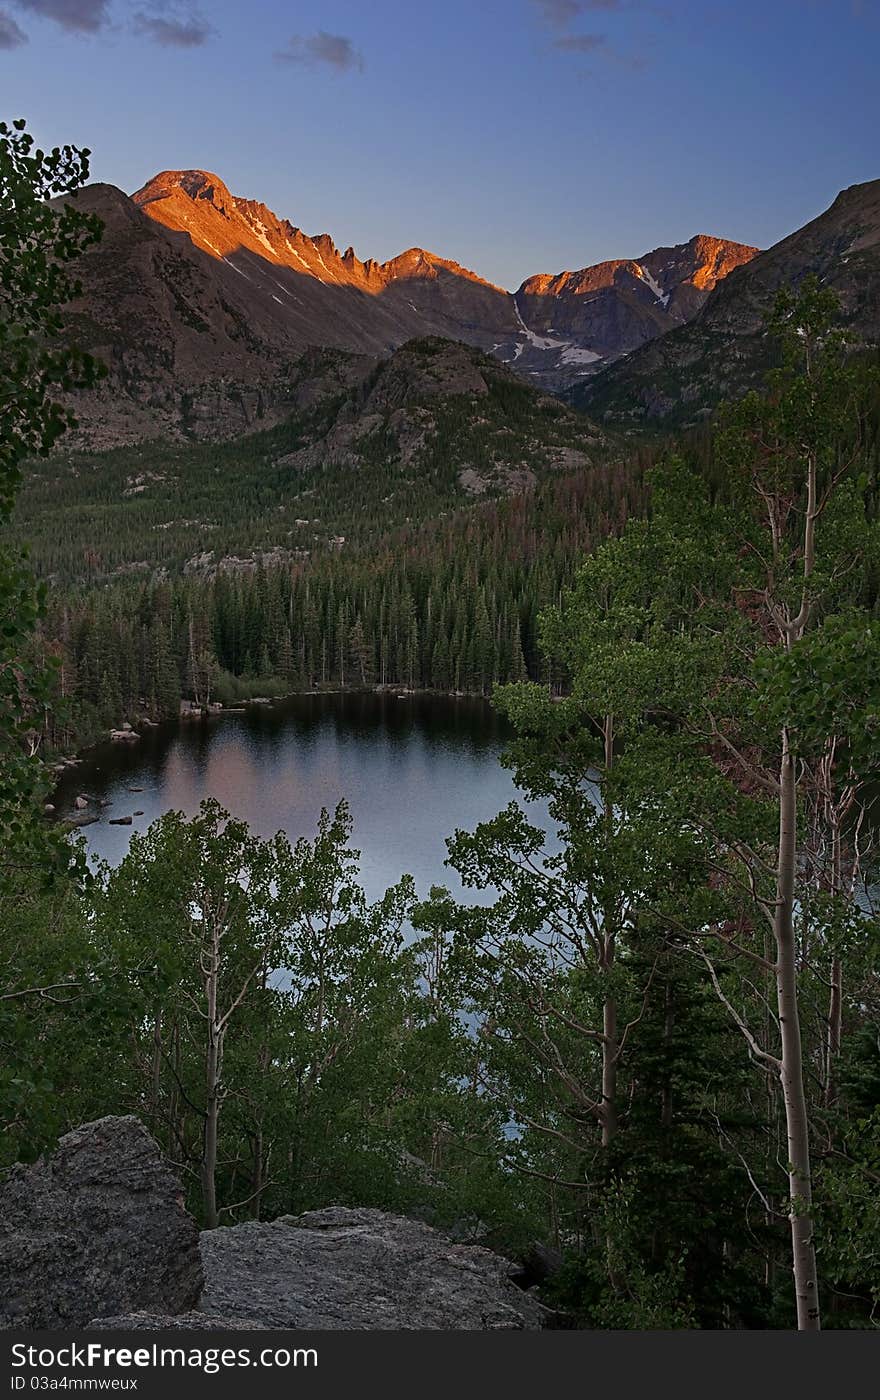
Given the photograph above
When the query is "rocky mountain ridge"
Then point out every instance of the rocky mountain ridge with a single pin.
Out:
(189, 201)
(722, 351)
(202, 303)
(620, 305)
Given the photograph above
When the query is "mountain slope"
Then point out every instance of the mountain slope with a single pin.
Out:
(202, 305)
(387, 303)
(723, 351)
(618, 306)
(429, 430)
(550, 328)
(191, 350)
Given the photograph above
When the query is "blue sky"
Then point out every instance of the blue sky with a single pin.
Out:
(515, 136)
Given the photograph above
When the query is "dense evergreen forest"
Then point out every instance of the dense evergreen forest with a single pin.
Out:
(435, 533)
(656, 1051)
(449, 605)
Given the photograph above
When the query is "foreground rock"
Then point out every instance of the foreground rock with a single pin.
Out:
(356, 1270)
(96, 1229)
(347, 1270)
(184, 1322)
(96, 1235)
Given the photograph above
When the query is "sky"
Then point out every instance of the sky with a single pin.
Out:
(513, 136)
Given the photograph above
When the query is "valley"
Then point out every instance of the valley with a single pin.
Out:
(425, 433)
(361, 515)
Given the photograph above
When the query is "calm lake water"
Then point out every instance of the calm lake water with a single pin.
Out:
(412, 768)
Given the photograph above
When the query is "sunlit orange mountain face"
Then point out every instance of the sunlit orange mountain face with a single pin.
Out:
(199, 204)
(209, 308)
(565, 322)
(415, 292)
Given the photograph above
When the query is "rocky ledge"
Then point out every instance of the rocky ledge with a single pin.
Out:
(96, 1235)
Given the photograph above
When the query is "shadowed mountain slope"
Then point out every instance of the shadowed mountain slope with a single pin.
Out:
(723, 351)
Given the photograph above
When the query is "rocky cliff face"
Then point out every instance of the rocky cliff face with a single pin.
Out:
(723, 351)
(96, 1234)
(195, 346)
(614, 307)
(203, 303)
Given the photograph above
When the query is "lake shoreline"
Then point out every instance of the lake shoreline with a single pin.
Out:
(66, 763)
(412, 768)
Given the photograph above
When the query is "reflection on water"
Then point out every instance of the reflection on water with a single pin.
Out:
(412, 769)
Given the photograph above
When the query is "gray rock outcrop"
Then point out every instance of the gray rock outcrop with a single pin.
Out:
(348, 1270)
(341, 1269)
(96, 1235)
(95, 1229)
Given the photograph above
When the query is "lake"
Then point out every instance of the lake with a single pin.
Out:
(412, 768)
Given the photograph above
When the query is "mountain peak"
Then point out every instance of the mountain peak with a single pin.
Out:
(220, 290)
(199, 204)
(193, 184)
(713, 258)
(611, 308)
(723, 352)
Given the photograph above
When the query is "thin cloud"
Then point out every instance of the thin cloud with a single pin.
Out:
(322, 49)
(79, 16)
(580, 43)
(173, 33)
(11, 35)
(559, 14)
(561, 17)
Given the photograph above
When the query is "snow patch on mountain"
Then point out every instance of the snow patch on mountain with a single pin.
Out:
(577, 355)
(662, 297)
(568, 352)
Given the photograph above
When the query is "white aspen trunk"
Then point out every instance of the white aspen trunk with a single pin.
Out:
(209, 1161)
(835, 997)
(212, 1089)
(610, 1048)
(609, 1070)
(791, 1067)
